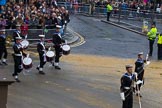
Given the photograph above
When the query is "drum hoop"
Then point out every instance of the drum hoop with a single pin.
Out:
(66, 47)
(25, 42)
(27, 61)
(50, 54)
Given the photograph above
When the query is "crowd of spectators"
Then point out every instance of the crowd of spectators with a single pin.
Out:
(133, 5)
(36, 14)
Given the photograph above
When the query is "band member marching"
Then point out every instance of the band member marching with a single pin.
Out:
(3, 49)
(57, 41)
(17, 32)
(18, 56)
(42, 54)
(126, 88)
(139, 69)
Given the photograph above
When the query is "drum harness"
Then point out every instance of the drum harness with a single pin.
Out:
(44, 51)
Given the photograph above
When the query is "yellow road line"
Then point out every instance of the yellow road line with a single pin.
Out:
(82, 40)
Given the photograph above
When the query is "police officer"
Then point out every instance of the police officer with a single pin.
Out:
(109, 10)
(151, 37)
(57, 41)
(159, 44)
(139, 69)
(42, 54)
(3, 49)
(126, 88)
(17, 32)
(18, 56)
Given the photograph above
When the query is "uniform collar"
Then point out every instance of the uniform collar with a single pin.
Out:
(140, 60)
(128, 75)
(17, 31)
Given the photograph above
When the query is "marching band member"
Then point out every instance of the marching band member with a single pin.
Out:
(3, 49)
(57, 41)
(42, 54)
(17, 32)
(139, 69)
(126, 88)
(18, 55)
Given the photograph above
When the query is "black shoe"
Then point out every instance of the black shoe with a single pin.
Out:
(139, 95)
(13, 74)
(17, 80)
(57, 67)
(37, 68)
(41, 72)
(4, 63)
(53, 64)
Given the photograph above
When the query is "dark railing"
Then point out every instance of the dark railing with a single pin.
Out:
(33, 33)
(101, 10)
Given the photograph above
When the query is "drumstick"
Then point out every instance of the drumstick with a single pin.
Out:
(27, 55)
(49, 48)
(66, 42)
(26, 36)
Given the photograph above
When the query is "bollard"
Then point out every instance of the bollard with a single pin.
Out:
(90, 11)
(145, 26)
(4, 91)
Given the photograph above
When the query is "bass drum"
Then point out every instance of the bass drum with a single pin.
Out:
(66, 49)
(27, 63)
(25, 44)
(50, 56)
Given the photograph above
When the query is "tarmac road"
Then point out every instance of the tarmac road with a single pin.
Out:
(90, 75)
(106, 40)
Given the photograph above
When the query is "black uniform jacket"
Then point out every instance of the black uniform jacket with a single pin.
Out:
(126, 82)
(2, 41)
(57, 39)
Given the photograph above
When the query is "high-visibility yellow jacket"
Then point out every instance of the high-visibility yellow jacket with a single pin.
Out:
(152, 33)
(109, 8)
(159, 39)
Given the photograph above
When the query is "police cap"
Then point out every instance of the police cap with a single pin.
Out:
(154, 23)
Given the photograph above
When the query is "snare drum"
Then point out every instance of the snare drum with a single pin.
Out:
(25, 44)
(50, 56)
(66, 49)
(27, 63)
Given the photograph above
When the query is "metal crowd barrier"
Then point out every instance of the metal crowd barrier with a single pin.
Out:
(101, 10)
(33, 33)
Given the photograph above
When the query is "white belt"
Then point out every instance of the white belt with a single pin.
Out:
(127, 88)
(18, 54)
